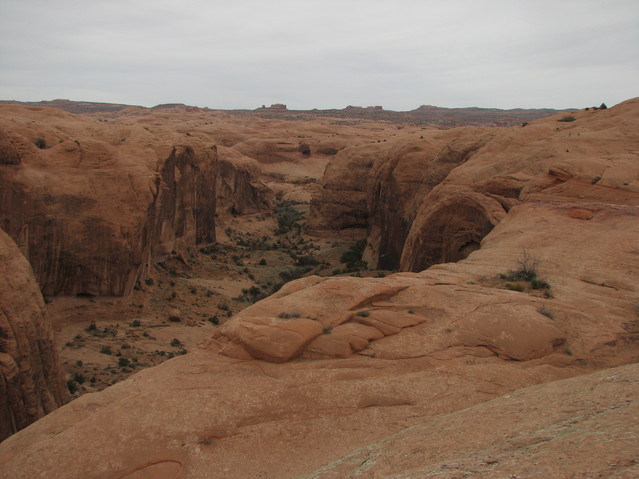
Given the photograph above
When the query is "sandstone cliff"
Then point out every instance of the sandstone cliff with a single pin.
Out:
(590, 160)
(91, 214)
(432, 200)
(239, 189)
(31, 381)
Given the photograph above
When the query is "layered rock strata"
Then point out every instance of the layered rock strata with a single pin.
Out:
(91, 216)
(31, 379)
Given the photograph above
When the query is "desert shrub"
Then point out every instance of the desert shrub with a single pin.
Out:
(527, 266)
(214, 320)
(91, 328)
(72, 386)
(78, 377)
(327, 330)
(353, 256)
(123, 362)
(262, 262)
(106, 350)
(514, 287)
(287, 217)
(292, 274)
(364, 314)
(567, 118)
(537, 283)
(175, 343)
(135, 323)
(308, 260)
(40, 143)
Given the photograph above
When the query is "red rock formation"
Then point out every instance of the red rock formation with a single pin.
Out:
(588, 161)
(418, 352)
(31, 380)
(239, 190)
(341, 203)
(552, 430)
(91, 216)
(402, 178)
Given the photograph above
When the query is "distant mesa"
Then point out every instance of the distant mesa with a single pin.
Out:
(274, 107)
(360, 108)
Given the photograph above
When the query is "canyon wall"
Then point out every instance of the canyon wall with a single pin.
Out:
(432, 199)
(92, 214)
(31, 379)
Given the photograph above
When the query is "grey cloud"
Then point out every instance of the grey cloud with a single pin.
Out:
(309, 53)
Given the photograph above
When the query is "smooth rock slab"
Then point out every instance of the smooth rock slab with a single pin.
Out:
(273, 339)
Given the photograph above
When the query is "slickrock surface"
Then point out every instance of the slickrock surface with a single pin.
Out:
(551, 430)
(457, 370)
(31, 380)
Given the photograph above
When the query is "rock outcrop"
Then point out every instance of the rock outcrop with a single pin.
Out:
(402, 178)
(432, 200)
(552, 430)
(92, 214)
(408, 375)
(239, 189)
(31, 380)
(341, 202)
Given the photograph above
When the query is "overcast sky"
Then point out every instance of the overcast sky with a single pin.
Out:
(322, 54)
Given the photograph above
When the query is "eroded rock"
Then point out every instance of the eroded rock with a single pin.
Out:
(31, 380)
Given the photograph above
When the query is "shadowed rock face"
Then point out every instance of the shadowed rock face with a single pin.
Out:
(238, 189)
(341, 202)
(91, 217)
(434, 199)
(402, 178)
(31, 380)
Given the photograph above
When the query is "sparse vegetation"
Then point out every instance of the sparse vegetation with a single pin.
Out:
(40, 143)
(353, 256)
(526, 275)
(567, 118)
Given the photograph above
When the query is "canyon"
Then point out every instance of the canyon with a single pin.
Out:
(377, 297)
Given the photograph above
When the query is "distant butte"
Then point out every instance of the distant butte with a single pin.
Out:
(424, 115)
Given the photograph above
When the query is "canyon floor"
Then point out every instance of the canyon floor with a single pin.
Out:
(104, 340)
